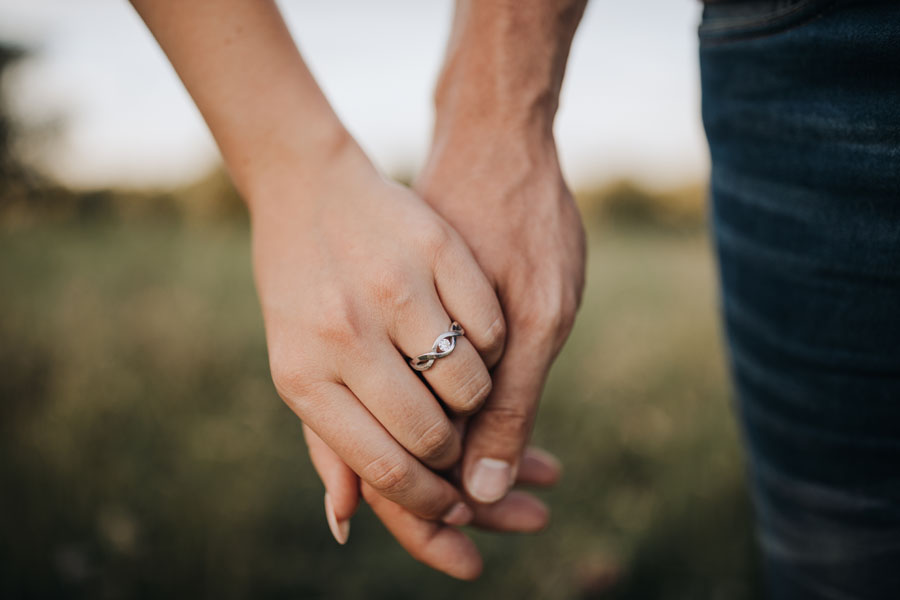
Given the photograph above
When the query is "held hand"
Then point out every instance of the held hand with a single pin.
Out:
(439, 546)
(352, 278)
(359, 272)
(504, 193)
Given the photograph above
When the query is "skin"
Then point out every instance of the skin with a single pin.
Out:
(494, 175)
(355, 272)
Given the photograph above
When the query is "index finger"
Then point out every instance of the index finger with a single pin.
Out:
(496, 436)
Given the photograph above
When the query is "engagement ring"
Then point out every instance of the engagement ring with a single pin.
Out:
(443, 345)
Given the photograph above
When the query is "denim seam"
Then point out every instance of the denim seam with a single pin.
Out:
(733, 23)
(728, 181)
(725, 36)
(757, 35)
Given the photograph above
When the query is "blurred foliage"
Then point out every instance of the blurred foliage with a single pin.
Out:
(8, 56)
(28, 198)
(15, 179)
(212, 198)
(146, 454)
(626, 203)
(622, 203)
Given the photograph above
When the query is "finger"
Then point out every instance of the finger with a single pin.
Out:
(439, 546)
(344, 424)
(341, 485)
(517, 512)
(468, 296)
(405, 407)
(460, 379)
(539, 468)
(496, 436)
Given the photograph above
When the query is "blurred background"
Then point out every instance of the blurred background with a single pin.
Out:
(143, 450)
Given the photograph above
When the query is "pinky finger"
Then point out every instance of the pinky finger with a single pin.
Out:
(341, 485)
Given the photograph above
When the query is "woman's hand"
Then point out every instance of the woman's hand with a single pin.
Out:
(354, 274)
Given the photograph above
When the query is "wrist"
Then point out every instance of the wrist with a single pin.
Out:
(505, 64)
(479, 95)
(464, 108)
(491, 151)
(304, 168)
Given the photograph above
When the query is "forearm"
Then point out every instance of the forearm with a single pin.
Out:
(505, 64)
(240, 65)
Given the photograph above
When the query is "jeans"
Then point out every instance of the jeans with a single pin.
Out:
(801, 106)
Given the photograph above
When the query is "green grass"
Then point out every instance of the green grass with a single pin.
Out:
(145, 452)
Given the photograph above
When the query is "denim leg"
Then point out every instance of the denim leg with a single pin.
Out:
(801, 105)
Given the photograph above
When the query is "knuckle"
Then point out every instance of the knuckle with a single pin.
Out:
(540, 327)
(337, 322)
(495, 335)
(473, 391)
(389, 474)
(433, 236)
(391, 287)
(292, 380)
(550, 315)
(507, 422)
(437, 443)
(567, 314)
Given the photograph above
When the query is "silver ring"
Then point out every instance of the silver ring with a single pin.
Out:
(443, 345)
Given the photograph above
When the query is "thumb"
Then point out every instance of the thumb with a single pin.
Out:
(341, 485)
(498, 433)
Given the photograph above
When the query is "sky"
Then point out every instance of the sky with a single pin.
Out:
(629, 107)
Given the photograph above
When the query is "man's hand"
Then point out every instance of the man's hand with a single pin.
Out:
(508, 201)
(493, 174)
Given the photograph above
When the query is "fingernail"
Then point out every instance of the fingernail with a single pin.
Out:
(339, 529)
(490, 480)
(459, 515)
(546, 459)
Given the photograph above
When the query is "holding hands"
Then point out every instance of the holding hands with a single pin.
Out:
(356, 273)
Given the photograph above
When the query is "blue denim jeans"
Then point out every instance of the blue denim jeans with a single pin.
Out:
(801, 105)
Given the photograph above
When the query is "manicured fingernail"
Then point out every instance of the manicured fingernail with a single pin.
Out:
(459, 515)
(339, 529)
(490, 480)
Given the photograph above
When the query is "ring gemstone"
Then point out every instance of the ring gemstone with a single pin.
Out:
(442, 347)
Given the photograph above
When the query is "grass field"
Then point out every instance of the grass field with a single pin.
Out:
(146, 454)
